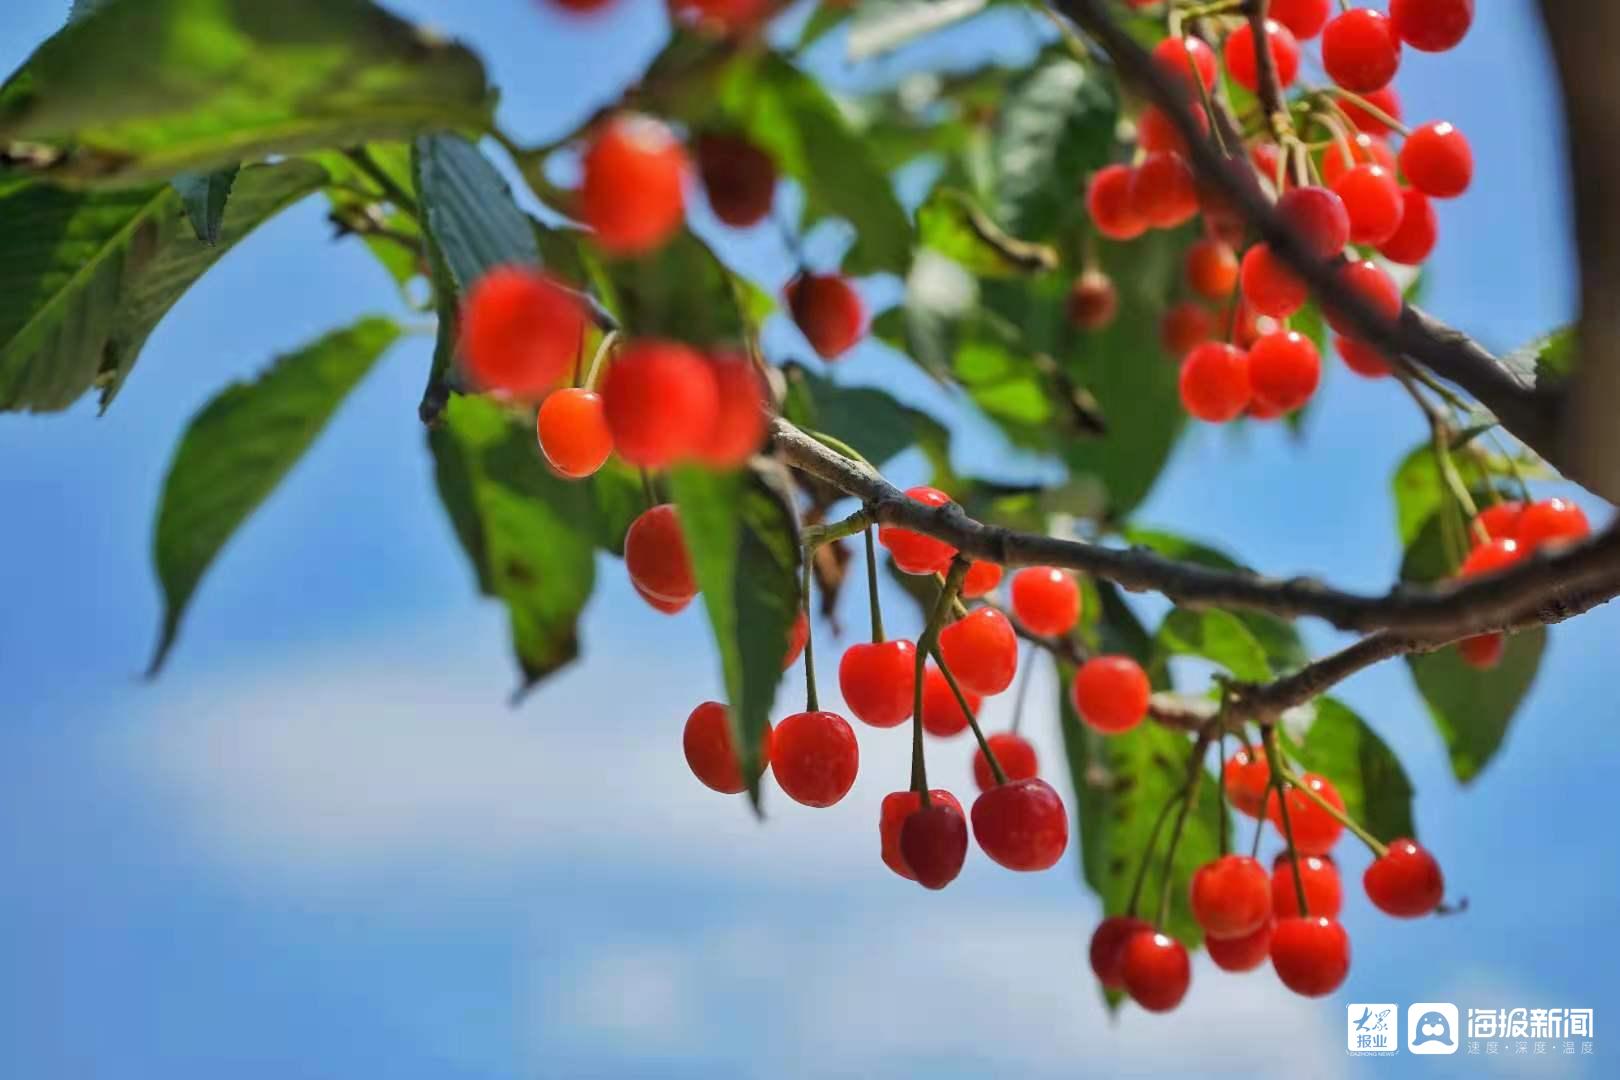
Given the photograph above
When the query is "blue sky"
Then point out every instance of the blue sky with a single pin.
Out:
(321, 846)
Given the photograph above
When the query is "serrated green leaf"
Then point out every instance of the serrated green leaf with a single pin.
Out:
(683, 292)
(89, 275)
(1333, 741)
(743, 542)
(140, 90)
(468, 210)
(1055, 126)
(1217, 636)
(1549, 359)
(1471, 708)
(240, 446)
(203, 195)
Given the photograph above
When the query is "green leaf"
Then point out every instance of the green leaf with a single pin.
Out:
(394, 160)
(469, 210)
(683, 292)
(882, 26)
(1055, 127)
(1122, 783)
(1548, 360)
(140, 90)
(1217, 636)
(1117, 630)
(1473, 708)
(527, 533)
(744, 545)
(89, 275)
(950, 223)
(868, 419)
(1329, 739)
(238, 448)
(203, 195)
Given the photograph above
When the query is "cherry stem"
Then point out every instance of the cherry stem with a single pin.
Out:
(1225, 816)
(648, 491)
(1274, 765)
(603, 348)
(973, 721)
(1147, 854)
(1028, 660)
(872, 588)
(1195, 776)
(811, 704)
(1376, 846)
(930, 634)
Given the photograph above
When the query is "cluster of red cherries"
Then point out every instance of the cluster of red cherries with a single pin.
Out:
(1508, 532)
(1347, 195)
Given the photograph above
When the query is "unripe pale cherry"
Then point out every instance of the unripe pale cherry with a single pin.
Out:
(1021, 825)
(1360, 50)
(1214, 382)
(1046, 600)
(572, 429)
(631, 194)
(661, 401)
(520, 331)
(914, 552)
(828, 312)
(1014, 754)
(814, 757)
(1111, 693)
(709, 750)
(981, 650)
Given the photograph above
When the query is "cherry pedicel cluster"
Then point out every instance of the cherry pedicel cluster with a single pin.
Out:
(1327, 159)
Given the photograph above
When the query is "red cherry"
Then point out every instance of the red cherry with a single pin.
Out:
(720, 17)
(934, 843)
(981, 649)
(1163, 191)
(1284, 368)
(1111, 693)
(942, 714)
(1021, 824)
(1092, 302)
(1311, 955)
(1262, 410)
(1431, 25)
(1406, 881)
(1185, 326)
(1551, 522)
(1324, 895)
(897, 807)
(739, 426)
(1414, 239)
(814, 757)
(1231, 896)
(1046, 600)
(1243, 64)
(709, 751)
(1493, 557)
(1013, 753)
(659, 603)
(1482, 652)
(1304, 17)
(1319, 217)
(1315, 830)
(1385, 101)
(1374, 201)
(1212, 269)
(661, 401)
(1362, 149)
(1376, 289)
(573, 432)
(829, 312)
(581, 7)
(1501, 521)
(982, 578)
(1186, 58)
(739, 177)
(631, 192)
(1436, 158)
(1156, 970)
(878, 681)
(1360, 50)
(520, 331)
(1108, 948)
(913, 552)
(1155, 132)
(1248, 329)
(1361, 358)
(1108, 201)
(1246, 776)
(1241, 954)
(798, 634)
(1215, 382)
(655, 556)
(1269, 287)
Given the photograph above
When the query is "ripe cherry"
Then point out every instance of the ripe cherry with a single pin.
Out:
(520, 331)
(739, 426)
(934, 843)
(1284, 368)
(1324, 895)
(1482, 652)
(1360, 50)
(1311, 955)
(1315, 830)
(1021, 824)
(1014, 754)
(1431, 25)
(981, 649)
(656, 558)
(1492, 557)
(1187, 58)
(661, 402)
(1405, 881)
(914, 552)
(1319, 217)
(1156, 970)
(1438, 161)
(1551, 522)
(1501, 520)
(1361, 358)
(1241, 954)
(1376, 288)
(709, 750)
(1231, 896)
(1108, 948)
(1374, 201)
(1269, 287)
(1246, 776)
(982, 578)
(1092, 302)
(1111, 693)
(814, 757)
(1342, 155)
(631, 192)
(739, 177)
(573, 432)
(942, 714)
(1108, 201)
(1385, 101)
(659, 603)
(1163, 191)
(1155, 132)
(1212, 269)
(1243, 65)
(581, 7)
(897, 807)
(828, 311)
(719, 17)
(798, 634)
(879, 681)
(1304, 17)
(1185, 326)
(1414, 240)
(1215, 382)
(1046, 600)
